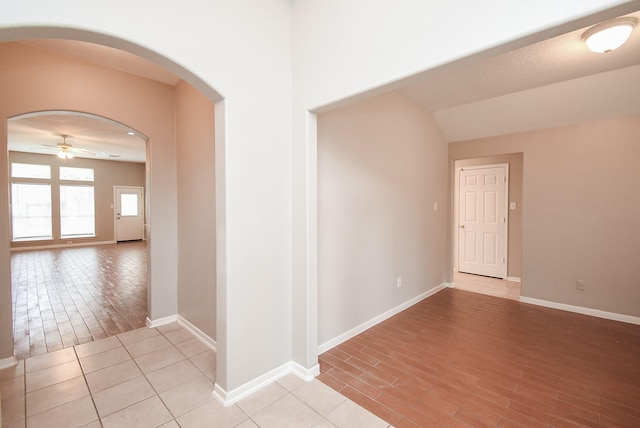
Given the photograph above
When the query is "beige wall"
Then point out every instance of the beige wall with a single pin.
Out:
(106, 174)
(36, 80)
(382, 164)
(580, 211)
(514, 255)
(195, 150)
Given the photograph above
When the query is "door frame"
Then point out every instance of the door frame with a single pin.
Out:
(115, 213)
(456, 212)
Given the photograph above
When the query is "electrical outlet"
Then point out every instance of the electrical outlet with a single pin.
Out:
(399, 282)
(580, 285)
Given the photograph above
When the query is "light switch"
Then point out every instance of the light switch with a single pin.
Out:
(512, 205)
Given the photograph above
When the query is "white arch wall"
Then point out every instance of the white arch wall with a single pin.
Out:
(242, 49)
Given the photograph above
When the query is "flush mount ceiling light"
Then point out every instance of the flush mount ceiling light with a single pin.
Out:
(609, 35)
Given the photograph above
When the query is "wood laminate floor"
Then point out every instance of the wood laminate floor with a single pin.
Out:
(463, 359)
(66, 297)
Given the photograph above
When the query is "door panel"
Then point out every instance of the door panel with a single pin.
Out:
(470, 255)
(482, 221)
(129, 213)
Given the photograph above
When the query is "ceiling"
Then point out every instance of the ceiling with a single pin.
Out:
(103, 138)
(551, 83)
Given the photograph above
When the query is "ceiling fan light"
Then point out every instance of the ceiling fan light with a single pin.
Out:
(610, 35)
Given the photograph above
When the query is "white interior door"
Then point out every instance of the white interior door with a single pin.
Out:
(129, 213)
(482, 221)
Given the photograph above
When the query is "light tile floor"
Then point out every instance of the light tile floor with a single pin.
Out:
(487, 285)
(158, 378)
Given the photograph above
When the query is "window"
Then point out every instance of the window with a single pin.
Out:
(31, 206)
(31, 211)
(77, 206)
(76, 174)
(77, 211)
(28, 170)
(129, 205)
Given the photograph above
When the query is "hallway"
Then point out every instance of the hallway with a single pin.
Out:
(66, 297)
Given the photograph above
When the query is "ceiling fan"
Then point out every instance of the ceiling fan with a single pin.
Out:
(66, 151)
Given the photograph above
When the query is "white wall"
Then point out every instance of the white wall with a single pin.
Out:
(382, 164)
(360, 45)
(242, 49)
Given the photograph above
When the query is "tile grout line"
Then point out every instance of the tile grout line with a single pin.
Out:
(173, 417)
(84, 375)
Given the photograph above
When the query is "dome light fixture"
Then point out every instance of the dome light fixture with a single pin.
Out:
(609, 35)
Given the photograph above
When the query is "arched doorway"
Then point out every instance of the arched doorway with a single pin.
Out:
(64, 227)
(126, 103)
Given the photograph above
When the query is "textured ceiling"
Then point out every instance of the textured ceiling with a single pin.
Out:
(551, 83)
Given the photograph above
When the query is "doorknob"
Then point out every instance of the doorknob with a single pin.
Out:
(461, 226)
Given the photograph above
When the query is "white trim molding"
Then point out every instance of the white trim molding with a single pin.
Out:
(5, 363)
(202, 337)
(49, 247)
(161, 321)
(582, 310)
(514, 279)
(229, 398)
(368, 324)
(305, 373)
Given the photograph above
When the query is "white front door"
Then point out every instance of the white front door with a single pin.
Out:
(482, 221)
(129, 213)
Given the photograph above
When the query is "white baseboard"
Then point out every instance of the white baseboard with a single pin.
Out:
(229, 398)
(161, 321)
(5, 363)
(514, 279)
(49, 247)
(364, 326)
(305, 373)
(581, 310)
(204, 338)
